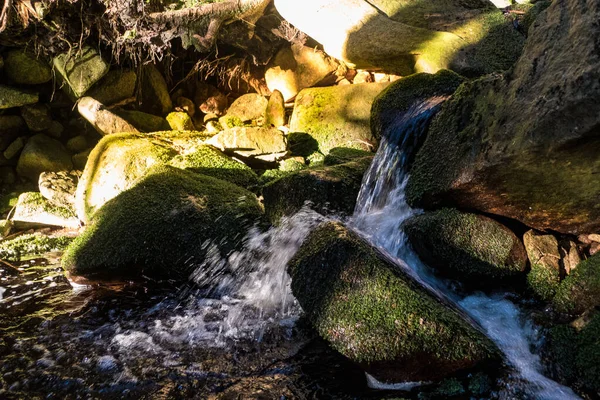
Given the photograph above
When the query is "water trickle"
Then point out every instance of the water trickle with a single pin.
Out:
(380, 211)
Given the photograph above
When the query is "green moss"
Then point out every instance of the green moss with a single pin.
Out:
(372, 314)
(230, 121)
(25, 68)
(479, 384)
(8, 201)
(580, 291)
(341, 155)
(302, 144)
(532, 11)
(543, 281)
(471, 248)
(161, 225)
(35, 201)
(31, 244)
(211, 162)
(143, 121)
(180, 121)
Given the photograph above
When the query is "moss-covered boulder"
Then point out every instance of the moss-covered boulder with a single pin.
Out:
(248, 107)
(180, 121)
(329, 189)
(580, 291)
(544, 258)
(209, 161)
(372, 313)
(154, 92)
(158, 227)
(524, 145)
(342, 155)
(467, 247)
(117, 161)
(34, 244)
(11, 97)
(43, 154)
(576, 354)
(250, 141)
(116, 86)
(25, 68)
(337, 116)
(33, 209)
(144, 122)
(80, 70)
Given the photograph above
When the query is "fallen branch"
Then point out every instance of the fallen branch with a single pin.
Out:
(10, 267)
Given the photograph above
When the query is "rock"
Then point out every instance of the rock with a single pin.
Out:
(80, 159)
(472, 38)
(248, 107)
(113, 166)
(180, 121)
(77, 144)
(498, 146)
(363, 76)
(55, 129)
(42, 154)
(12, 97)
(328, 189)
(580, 291)
(116, 86)
(34, 244)
(11, 127)
(378, 317)
(80, 70)
(13, 149)
(32, 208)
(155, 95)
(59, 187)
(544, 256)
(208, 161)
(249, 141)
(170, 211)
(298, 67)
(7, 176)
(104, 121)
(275, 114)
(26, 69)
(37, 117)
(144, 122)
(570, 257)
(470, 248)
(337, 116)
(341, 155)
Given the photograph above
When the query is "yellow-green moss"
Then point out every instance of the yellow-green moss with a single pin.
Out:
(580, 291)
(180, 121)
(341, 155)
(30, 245)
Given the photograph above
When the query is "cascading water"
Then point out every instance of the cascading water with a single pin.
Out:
(380, 211)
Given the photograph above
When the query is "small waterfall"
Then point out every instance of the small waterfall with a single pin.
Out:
(380, 211)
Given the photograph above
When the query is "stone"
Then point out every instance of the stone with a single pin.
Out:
(570, 256)
(116, 86)
(37, 117)
(59, 187)
(155, 97)
(80, 70)
(170, 211)
(77, 144)
(275, 114)
(34, 209)
(298, 67)
(144, 122)
(367, 309)
(544, 256)
(329, 190)
(471, 248)
(8, 175)
(248, 107)
(42, 154)
(206, 160)
(104, 121)
(11, 127)
(113, 166)
(579, 291)
(524, 145)
(337, 116)
(341, 155)
(13, 149)
(363, 76)
(55, 129)
(80, 159)
(11, 97)
(24, 68)
(25, 246)
(180, 121)
(249, 141)
(470, 38)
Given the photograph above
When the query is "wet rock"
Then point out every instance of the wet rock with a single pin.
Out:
(104, 121)
(580, 291)
(497, 146)
(113, 166)
(59, 187)
(249, 107)
(12, 97)
(169, 211)
(144, 122)
(116, 86)
(208, 161)
(337, 116)
(31, 244)
(80, 70)
(180, 121)
(275, 114)
(37, 117)
(14, 148)
(544, 257)
(470, 248)
(328, 189)
(32, 207)
(372, 313)
(155, 97)
(43, 154)
(298, 67)
(25, 68)
(249, 141)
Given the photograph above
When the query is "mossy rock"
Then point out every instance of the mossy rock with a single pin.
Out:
(11, 97)
(467, 247)
(544, 257)
(24, 68)
(154, 92)
(43, 154)
(580, 291)
(342, 155)
(372, 313)
(209, 161)
(157, 228)
(33, 208)
(34, 244)
(114, 165)
(180, 121)
(114, 87)
(143, 121)
(80, 70)
(329, 189)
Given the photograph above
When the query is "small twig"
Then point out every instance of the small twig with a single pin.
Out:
(5, 15)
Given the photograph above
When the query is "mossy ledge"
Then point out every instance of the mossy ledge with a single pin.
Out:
(580, 291)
